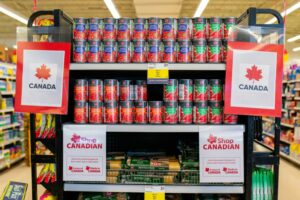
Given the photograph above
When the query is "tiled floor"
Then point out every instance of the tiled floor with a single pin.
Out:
(289, 180)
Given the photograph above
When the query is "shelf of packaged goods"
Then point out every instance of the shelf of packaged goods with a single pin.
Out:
(7, 92)
(140, 188)
(296, 108)
(11, 141)
(144, 66)
(14, 125)
(8, 110)
(8, 77)
(13, 161)
(287, 125)
(272, 136)
(8, 65)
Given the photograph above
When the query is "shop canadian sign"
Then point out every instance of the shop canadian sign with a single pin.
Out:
(42, 82)
(253, 83)
(84, 153)
(221, 154)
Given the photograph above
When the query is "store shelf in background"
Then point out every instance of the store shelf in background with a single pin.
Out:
(139, 188)
(12, 162)
(296, 89)
(8, 65)
(11, 141)
(272, 136)
(268, 120)
(3, 111)
(292, 81)
(9, 126)
(7, 93)
(8, 77)
(287, 125)
(284, 110)
(285, 81)
(297, 98)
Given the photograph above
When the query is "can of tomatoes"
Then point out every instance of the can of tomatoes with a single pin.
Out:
(200, 112)
(215, 90)
(81, 90)
(124, 52)
(230, 119)
(80, 29)
(139, 30)
(184, 28)
(154, 51)
(95, 90)
(214, 54)
(140, 90)
(214, 112)
(96, 112)
(126, 90)
(126, 112)
(155, 112)
(200, 90)
(184, 52)
(111, 90)
(185, 90)
(199, 28)
(227, 25)
(170, 114)
(109, 52)
(224, 50)
(80, 112)
(79, 51)
(94, 52)
(139, 51)
(185, 112)
(171, 91)
(95, 29)
(169, 51)
(215, 28)
(154, 28)
(109, 29)
(199, 51)
(124, 29)
(111, 112)
(141, 112)
(169, 26)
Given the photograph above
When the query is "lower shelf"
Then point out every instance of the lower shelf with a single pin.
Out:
(12, 162)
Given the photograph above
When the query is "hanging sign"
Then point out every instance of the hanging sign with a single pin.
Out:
(14, 191)
(253, 83)
(221, 154)
(42, 81)
(84, 150)
(158, 73)
(154, 193)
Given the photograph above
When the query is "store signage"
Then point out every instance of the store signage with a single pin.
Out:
(42, 82)
(14, 191)
(253, 83)
(154, 193)
(221, 154)
(84, 149)
(158, 73)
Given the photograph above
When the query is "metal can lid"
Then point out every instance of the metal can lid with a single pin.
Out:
(200, 81)
(125, 83)
(80, 104)
(215, 81)
(124, 20)
(186, 81)
(140, 82)
(155, 103)
(95, 20)
(139, 20)
(154, 42)
(80, 20)
(94, 43)
(201, 20)
(171, 104)
(169, 42)
(95, 82)
(184, 43)
(123, 43)
(215, 20)
(230, 20)
(154, 20)
(186, 104)
(140, 104)
(80, 43)
(201, 42)
(214, 42)
(95, 104)
(109, 20)
(126, 104)
(110, 82)
(139, 43)
(109, 43)
(169, 20)
(172, 82)
(201, 104)
(111, 104)
(83, 82)
(215, 104)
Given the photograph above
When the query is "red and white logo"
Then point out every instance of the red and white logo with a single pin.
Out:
(220, 143)
(92, 169)
(79, 142)
(75, 169)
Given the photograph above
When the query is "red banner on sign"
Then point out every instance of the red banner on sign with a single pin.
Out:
(42, 82)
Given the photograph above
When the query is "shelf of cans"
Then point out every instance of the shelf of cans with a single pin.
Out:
(152, 40)
(185, 101)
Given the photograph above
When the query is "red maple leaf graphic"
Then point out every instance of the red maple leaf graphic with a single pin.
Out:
(207, 169)
(225, 169)
(70, 167)
(87, 168)
(43, 72)
(212, 139)
(254, 73)
(75, 138)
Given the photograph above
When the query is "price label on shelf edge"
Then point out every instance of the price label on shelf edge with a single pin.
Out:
(157, 73)
(154, 193)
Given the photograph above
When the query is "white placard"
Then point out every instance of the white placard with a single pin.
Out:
(221, 154)
(84, 148)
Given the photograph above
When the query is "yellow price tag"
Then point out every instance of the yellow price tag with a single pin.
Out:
(158, 73)
(154, 193)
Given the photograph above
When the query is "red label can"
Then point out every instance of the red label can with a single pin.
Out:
(96, 112)
(154, 28)
(200, 90)
(95, 29)
(111, 90)
(80, 29)
(140, 90)
(184, 28)
(225, 50)
(215, 28)
(215, 90)
(124, 29)
(199, 51)
(215, 112)
(109, 52)
(95, 90)
(79, 51)
(81, 90)
(126, 90)
(169, 51)
(230, 119)
(200, 112)
(171, 91)
(185, 112)
(141, 112)
(111, 112)
(94, 53)
(139, 30)
(109, 29)
(169, 29)
(155, 112)
(126, 112)
(199, 28)
(214, 51)
(185, 90)
(124, 52)
(184, 52)
(228, 24)
(80, 112)
(170, 112)
(139, 52)
(154, 51)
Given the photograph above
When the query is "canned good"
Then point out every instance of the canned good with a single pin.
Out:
(80, 112)
(214, 112)
(96, 112)
(200, 90)
(200, 112)
(199, 51)
(94, 53)
(139, 31)
(124, 29)
(154, 28)
(184, 52)
(80, 29)
(111, 90)
(155, 112)
(215, 28)
(126, 90)
(79, 51)
(109, 52)
(184, 28)
(154, 51)
(95, 29)
(126, 112)
(171, 91)
(140, 90)
(230, 119)
(81, 90)
(169, 51)
(215, 90)
(139, 51)
(141, 112)
(225, 50)
(185, 112)
(124, 52)
(95, 90)
(185, 90)
(109, 29)
(169, 29)
(170, 112)
(110, 112)
(228, 24)
(214, 54)
(199, 28)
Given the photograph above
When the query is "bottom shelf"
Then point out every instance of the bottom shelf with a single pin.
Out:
(12, 162)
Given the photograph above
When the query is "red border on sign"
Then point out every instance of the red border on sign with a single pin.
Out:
(49, 46)
(228, 109)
